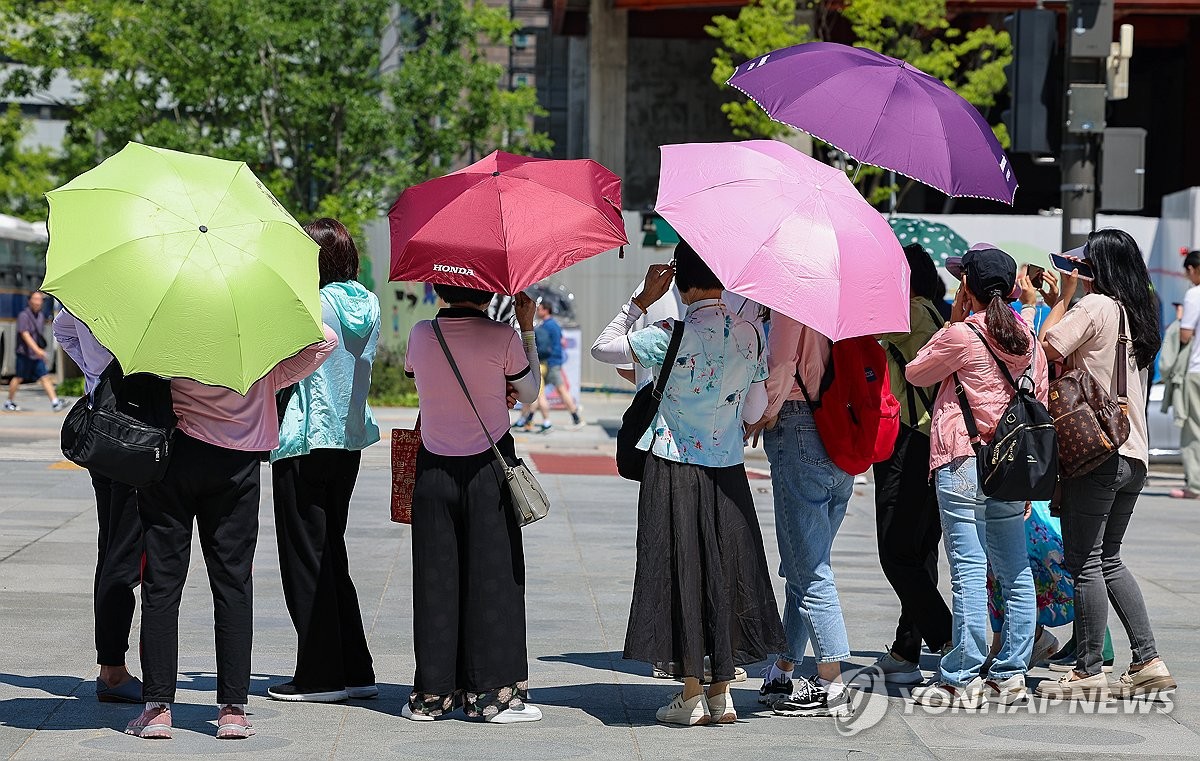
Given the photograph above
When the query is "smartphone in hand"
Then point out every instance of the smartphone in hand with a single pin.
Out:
(1071, 261)
(1034, 273)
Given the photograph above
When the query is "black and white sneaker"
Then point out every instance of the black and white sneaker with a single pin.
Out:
(811, 699)
(293, 694)
(775, 690)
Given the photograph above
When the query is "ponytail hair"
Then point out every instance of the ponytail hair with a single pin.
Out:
(1003, 325)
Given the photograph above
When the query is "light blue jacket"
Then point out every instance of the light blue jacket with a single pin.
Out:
(329, 408)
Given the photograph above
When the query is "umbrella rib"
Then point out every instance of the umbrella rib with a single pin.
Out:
(704, 189)
(888, 99)
(503, 235)
(128, 193)
(150, 320)
(182, 182)
(228, 187)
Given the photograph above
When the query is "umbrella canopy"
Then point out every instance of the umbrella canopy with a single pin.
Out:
(505, 222)
(884, 112)
(789, 232)
(183, 266)
(938, 240)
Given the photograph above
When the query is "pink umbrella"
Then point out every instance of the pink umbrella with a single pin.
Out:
(505, 222)
(789, 232)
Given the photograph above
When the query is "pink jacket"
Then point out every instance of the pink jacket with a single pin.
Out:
(956, 348)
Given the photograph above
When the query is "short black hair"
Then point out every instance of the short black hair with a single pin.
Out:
(691, 271)
(923, 275)
(545, 304)
(455, 294)
(1192, 260)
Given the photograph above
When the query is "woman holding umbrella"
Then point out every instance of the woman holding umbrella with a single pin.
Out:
(468, 559)
(701, 589)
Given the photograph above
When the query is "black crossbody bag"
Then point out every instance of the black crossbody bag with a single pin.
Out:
(631, 461)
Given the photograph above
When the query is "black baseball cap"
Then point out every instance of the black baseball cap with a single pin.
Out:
(990, 272)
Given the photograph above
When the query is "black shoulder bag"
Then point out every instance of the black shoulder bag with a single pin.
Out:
(124, 429)
(631, 461)
(1020, 463)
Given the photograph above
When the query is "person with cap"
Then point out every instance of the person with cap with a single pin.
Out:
(982, 332)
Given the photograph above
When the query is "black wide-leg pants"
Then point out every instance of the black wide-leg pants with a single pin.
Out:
(468, 577)
(312, 502)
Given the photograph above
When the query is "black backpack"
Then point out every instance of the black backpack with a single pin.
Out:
(1020, 463)
(631, 461)
(124, 429)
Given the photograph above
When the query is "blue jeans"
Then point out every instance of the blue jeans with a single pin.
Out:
(810, 502)
(979, 529)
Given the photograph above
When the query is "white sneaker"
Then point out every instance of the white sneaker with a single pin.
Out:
(407, 712)
(942, 695)
(519, 715)
(897, 670)
(1007, 692)
(721, 709)
(1043, 649)
(689, 713)
(365, 692)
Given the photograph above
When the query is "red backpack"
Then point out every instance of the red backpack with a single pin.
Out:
(857, 416)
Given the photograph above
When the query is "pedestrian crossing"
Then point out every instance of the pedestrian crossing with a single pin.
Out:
(32, 451)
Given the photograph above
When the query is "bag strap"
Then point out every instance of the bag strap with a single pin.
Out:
(437, 331)
(826, 380)
(909, 389)
(999, 362)
(664, 372)
(1121, 359)
(968, 417)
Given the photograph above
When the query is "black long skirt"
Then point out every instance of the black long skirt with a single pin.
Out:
(468, 580)
(702, 586)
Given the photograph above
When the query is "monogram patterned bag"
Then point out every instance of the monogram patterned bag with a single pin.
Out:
(1091, 425)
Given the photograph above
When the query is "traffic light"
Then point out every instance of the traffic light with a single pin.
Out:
(1033, 82)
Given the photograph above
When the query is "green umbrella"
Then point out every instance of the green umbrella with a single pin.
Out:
(938, 240)
(183, 266)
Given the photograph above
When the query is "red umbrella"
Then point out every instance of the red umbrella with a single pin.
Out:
(505, 222)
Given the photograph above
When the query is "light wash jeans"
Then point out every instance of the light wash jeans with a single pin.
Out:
(978, 529)
(810, 502)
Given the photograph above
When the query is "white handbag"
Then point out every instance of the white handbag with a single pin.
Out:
(529, 502)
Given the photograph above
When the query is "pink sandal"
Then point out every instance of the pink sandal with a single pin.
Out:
(151, 724)
(232, 724)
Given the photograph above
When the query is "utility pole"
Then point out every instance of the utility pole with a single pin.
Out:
(1085, 76)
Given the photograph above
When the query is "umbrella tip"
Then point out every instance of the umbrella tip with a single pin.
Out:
(495, 174)
(203, 229)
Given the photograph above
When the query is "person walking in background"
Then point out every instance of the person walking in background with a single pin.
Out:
(811, 494)
(701, 588)
(907, 523)
(1187, 398)
(212, 480)
(324, 428)
(978, 529)
(468, 555)
(31, 354)
(552, 372)
(119, 543)
(1098, 506)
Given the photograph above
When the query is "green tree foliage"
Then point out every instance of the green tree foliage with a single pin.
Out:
(759, 28)
(917, 31)
(25, 174)
(299, 89)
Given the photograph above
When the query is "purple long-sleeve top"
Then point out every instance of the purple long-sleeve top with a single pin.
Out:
(80, 345)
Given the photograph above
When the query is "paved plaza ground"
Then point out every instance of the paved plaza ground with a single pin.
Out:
(580, 569)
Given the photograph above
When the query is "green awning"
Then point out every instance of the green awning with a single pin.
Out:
(663, 235)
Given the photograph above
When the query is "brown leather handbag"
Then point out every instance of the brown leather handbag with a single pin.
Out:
(1091, 425)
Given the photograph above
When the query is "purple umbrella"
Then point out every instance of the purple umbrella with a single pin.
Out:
(881, 111)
